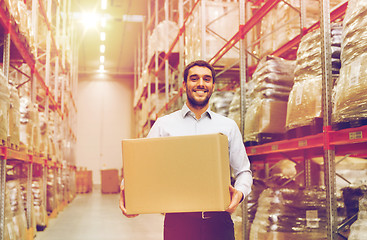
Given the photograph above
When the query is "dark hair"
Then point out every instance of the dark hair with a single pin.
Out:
(200, 63)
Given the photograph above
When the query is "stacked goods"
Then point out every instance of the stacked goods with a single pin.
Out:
(44, 139)
(282, 23)
(23, 190)
(17, 209)
(266, 112)
(350, 90)
(14, 118)
(162, 37)
(289, 213)
(10, 230)
(234, 111)
(220, 101)
(38, 204)
(4, 109)
(221, 24)
(51, 192)
(36, 130)
(358, 230)
(305, 99)
(26, 124)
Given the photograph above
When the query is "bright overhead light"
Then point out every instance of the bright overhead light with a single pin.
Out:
(103, 4)
(103, 36)
(102, 48)
(101, 68)
(89, 19)
(101, 59)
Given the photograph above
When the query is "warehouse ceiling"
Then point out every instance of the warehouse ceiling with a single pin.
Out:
(123, 25)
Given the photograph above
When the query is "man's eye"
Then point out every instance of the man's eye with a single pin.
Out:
(207, 79)
(194, 78)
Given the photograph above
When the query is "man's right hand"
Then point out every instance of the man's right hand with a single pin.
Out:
(122, 203)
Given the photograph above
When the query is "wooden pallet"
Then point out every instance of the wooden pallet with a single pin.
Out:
(262, 138)
(351, 123)
(315, 127)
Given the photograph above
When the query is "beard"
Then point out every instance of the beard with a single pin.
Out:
(195, 102)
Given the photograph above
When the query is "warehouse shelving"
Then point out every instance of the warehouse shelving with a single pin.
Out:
(351, 142)
(43, 64)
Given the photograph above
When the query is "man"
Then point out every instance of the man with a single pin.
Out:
(193, 119)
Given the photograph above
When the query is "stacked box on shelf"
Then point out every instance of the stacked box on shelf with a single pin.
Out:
(17, 209)
(38, 204)
(26, 124)
(4, 109)
(14, 119)
(266, 111)
(305, 99)
(162, 37)
(350, 90)
(282, 23)
(221, 24)
(220, 102)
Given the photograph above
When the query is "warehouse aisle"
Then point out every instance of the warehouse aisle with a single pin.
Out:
(96, 216)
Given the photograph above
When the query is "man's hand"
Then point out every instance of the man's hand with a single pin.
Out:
(236, 197)
(122, 203)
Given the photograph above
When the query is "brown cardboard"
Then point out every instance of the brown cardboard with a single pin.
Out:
(176, 174)
(110, 181)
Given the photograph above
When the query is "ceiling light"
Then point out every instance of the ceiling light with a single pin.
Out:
(101, 68)
(102, 48)
(103, 4)
(101, 59)
(103, 36)
(89, 20)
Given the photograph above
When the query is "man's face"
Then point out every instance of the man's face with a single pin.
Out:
(199, 86)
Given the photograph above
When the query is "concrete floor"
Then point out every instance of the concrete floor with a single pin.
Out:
(96, 216)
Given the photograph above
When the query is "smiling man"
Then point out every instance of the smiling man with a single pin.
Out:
(196, 118)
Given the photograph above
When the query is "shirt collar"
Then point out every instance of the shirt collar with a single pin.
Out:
(186, 110)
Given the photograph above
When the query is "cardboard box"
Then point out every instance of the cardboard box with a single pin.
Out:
(110, 182)
(176, 174)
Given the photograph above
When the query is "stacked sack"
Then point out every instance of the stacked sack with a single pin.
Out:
(38, 204)
(4, 109)
(220, 102)
(350, 90)
(290, 213)
(26, 124)
(267, 105)
(305, 99)
(17, 210)
(14, 118)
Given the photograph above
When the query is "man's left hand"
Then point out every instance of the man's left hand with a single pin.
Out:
(236, 197)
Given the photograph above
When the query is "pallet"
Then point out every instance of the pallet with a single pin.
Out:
(262, 138)
(351, 123)
(315, 127)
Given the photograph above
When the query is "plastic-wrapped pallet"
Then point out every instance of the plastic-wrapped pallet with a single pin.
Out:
(266, 112)
(350, 90)
(282, 23)
(290, 213)
(221, 22)
(10, 229)
(165, 31)
(220, 101)
(26, 124)
(43, 126)
(38, 203)
(23, 189)
(14, 118)
(36, 130)
(234, 108)
(304, 104)
(51, 192)
(4, 109)
(17, 208)
(358, 229)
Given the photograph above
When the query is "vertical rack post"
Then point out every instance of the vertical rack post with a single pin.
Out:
(329, 152)
(203, 30)
(29, 202)
(166, 48)
(181, 43)
(243, 70)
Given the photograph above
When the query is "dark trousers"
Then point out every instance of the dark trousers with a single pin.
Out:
(196, 226)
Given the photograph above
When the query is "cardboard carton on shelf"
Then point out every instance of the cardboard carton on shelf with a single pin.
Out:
(176, 174)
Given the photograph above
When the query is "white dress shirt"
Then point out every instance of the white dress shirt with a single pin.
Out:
(183, 122)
